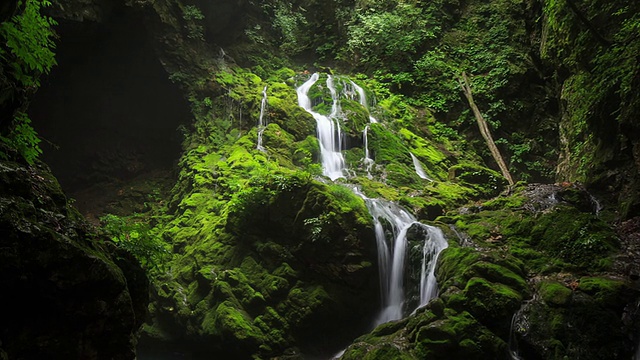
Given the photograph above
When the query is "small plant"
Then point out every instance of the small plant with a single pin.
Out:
(315, 226)
(23, 138)
(136, 238)
(29, 38)
(26, 54)
(193, 16)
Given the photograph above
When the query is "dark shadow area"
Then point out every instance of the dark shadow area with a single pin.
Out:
(108, 112)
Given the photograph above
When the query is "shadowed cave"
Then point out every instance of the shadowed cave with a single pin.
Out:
(108, 114)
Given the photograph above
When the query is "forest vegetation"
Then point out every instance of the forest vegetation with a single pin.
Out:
(165, 190)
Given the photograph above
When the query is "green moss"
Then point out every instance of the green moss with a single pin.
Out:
(486, 181)
(575, 237)
(279, 144)
(306, 151)
(356, 118)
(607, 292)
(453, 261)
(386, 147)
(230, 322)
(376, 189)
(274, 327)
(285, 112)
(450, 194)
(499, 274)
(386, 351)
(401, 175)
(554, 293)
(356, 351)
(491, 301)
(433, 159)
(457, 336)
(302, 302)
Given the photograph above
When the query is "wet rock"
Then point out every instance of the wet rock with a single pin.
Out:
(63, 292)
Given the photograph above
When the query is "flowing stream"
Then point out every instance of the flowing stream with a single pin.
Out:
(368, 161)
(391, 222)
(262, 124)
(363, 100)
(328, 129)
(418, 167)
(392, 252)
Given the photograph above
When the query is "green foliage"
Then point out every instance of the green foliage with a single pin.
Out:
(387, 39)
(575, 237)
(193, 17)
(29, 40)
(137, 238)
(315, 226)
(23, 138)
(597, 44)
(27, 50)
(290, 23)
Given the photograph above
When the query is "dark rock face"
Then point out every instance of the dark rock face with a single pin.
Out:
(62, 296)
(108, 110)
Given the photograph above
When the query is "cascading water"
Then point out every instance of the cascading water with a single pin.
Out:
(328, 129)
(392, 251)
(433, 245)
(262, 124)
(363, 100)
(368, 161)
(597, 207)
(418, 167)
(392, 256)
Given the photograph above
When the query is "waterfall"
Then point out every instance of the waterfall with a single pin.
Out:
(597, 207)
(262, 124)
(336, 113)
(519, 325)
(433, 245)
(328, 129)
(391, 221)
(418, 167)
(392, 254)
(363, 100)
(368, 161)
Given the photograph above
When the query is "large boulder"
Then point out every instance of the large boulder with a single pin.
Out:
(63, 294)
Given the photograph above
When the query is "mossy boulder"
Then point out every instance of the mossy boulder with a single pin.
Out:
(554, 293)
(555, 323)
(54, 267)
(277, 249)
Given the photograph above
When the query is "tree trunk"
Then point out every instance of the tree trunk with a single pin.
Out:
(484, 129)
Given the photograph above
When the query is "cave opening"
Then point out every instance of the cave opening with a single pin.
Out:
(108, 114)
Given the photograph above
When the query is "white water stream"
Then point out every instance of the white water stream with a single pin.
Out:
(433, 245)
(368, 161)
(262, 123)
(418, 167)
(392, 252)
(328, 129)
(391, 222)
(363, 100)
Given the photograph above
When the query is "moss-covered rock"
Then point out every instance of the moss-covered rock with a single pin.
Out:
(55, 267)
(554, 293)
(260, 249)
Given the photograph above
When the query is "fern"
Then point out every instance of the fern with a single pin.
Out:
(27, 50)
(29, 37)
(24, 138)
